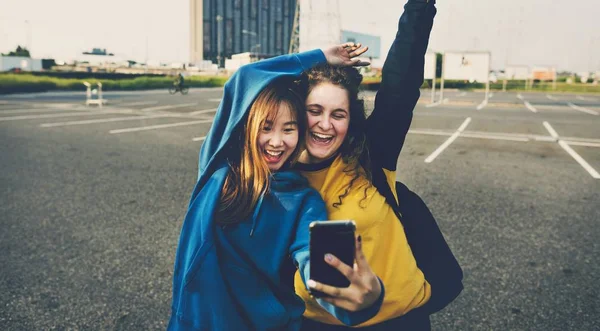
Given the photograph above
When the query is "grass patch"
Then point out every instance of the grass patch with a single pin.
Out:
(20, 83)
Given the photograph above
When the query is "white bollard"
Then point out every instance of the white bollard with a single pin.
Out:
(88, 93)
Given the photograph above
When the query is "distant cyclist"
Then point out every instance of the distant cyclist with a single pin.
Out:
(178, 85)
(179, 81)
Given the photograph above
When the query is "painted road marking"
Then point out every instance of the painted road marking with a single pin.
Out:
(585, 110)
(571, 152)
(30, 110)
(588, 142)
(183, 105)
(551, 97)
(160, 126)
(32, 117)
(462, 94)
(437, 103)
(101, 120)
(482, 105)
(215, 100)
(520, 96)
(447, 143)
(199, 138)
(530, 107)
(203, 111)
(140, 103)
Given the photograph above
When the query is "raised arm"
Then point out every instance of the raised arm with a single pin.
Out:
(245, 85)
(402, 77)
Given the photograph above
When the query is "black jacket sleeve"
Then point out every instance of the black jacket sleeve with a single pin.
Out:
(402, 77)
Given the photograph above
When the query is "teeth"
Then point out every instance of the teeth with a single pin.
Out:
(272, 153)
(322, 136)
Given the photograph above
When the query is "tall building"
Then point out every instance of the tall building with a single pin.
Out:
(220, 28)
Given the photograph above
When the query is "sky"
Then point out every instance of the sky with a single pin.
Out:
(561, 33)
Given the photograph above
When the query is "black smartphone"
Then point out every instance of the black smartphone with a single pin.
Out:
(333, 237)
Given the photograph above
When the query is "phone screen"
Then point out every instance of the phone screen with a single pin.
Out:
(334, 237)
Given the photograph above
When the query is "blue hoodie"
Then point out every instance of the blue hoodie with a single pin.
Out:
(230, 278)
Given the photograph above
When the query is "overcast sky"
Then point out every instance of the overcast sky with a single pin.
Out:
(564, 33)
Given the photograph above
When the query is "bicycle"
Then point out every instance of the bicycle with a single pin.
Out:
(182, 89)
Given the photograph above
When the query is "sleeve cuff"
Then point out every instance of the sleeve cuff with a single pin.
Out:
(311, 58)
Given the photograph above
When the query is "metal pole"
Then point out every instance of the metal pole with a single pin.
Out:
(219, 45)
(433, 89)
(442, 83)
(487, 81)
(100, 101)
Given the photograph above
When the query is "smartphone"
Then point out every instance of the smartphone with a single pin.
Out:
(336, 238)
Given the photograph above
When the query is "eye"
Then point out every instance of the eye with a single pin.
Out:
(338, 115)
(289, 130)
(313, 111)
(266, 128)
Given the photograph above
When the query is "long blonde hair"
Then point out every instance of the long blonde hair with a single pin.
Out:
(249, 174)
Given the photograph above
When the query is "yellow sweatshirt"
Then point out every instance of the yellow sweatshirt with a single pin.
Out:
(384, 243)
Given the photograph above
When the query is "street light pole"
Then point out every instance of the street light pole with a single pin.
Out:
(219, 46)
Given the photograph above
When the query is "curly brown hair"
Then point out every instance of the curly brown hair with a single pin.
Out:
(354, 150)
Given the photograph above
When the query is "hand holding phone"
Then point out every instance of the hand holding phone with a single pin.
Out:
(330, 237)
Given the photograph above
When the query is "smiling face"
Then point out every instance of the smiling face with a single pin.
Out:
(278, 138)
(328, 115)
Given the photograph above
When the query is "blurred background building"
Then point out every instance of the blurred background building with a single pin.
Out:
(221, 28)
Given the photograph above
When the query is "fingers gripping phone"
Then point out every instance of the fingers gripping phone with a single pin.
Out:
(336, 238)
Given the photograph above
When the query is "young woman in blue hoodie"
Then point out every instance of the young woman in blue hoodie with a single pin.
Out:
(250, 213)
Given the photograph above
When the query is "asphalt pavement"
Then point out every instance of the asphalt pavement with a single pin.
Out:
(93, 200)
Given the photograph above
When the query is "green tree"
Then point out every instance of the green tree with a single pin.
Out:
(20, 51)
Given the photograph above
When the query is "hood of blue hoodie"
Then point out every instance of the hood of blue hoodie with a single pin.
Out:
(196, 254)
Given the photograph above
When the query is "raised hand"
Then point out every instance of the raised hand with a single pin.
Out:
(345, 55)
(364, 287)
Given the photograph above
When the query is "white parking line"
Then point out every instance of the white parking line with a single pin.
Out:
(215, 100)
(160, 126)
(491, 94)
(183, 105)
(199, 138)
(530, 107)
(140, 103)
(579, 97)
(29, 110)
(551, 97)
(101, 120)
(493, 137)
(571, 152)
(585, 110)
(581, 143)
(482, 105)
(588, 142)
(447, 143)
(519, 96)
(203, 111)
(462, 94)
(437, 103)
(32, 117)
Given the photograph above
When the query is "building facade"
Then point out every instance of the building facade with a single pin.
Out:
(220, 28)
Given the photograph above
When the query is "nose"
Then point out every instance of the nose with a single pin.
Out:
(324, 123)
(275, 140)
